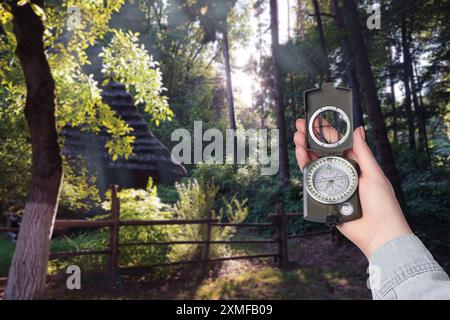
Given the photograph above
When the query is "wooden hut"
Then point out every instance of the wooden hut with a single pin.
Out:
(150, 157)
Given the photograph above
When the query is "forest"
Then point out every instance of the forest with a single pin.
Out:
(96, 97)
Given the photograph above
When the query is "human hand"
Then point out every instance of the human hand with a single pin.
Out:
(382, 218)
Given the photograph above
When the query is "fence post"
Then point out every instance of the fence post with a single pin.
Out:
(282, 234)
(114, 235)
(205, 255)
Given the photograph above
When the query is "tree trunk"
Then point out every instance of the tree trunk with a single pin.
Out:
(300, 21)
(289, 20)
(423, 112)
(418, 106)
(323, 42)
(278, 89)
(349, 65)
(419, 84)
(393, 102)
(229, 91)
(407, 102)
(28, 270)
(371, 101)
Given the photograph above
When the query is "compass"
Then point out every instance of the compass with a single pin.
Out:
(330, 183)
(331, 180)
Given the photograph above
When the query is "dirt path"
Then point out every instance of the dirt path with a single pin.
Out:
(319, 269)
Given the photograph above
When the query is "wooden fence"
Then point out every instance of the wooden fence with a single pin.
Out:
(278, 222)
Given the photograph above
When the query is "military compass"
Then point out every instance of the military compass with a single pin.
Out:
(330, 183)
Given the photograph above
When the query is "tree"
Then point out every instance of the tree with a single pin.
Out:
(409, 82)
(229, 89)
(278, 92)
(406, 85)
(300, 21)
(323, 42)
(371, 101)
(349, 64)
(392, 97)
(52, 66)
(29, 266)
(213, 17)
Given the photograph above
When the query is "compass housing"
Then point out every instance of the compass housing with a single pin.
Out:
(334, 99)
(345, 177)
(330, 183)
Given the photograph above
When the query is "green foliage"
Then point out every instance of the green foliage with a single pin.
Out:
(168, 194)
(78, 94)
(428, 196)
(131, 65)
(6, 254)
(78, 190)
(135, 204)
(197, 200)
(262, 192)
(143, 205)
(196, 203)
(96, 240)
(15, 157)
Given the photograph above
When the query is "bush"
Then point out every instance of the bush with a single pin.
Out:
(134, 204)
(262, 192)
(195, 202)
(428, 197)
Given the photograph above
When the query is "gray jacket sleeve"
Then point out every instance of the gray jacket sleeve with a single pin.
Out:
(404, 269)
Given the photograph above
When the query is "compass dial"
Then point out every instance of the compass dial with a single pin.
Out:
(331, 180)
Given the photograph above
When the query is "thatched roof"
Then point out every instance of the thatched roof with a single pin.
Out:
(150, 157)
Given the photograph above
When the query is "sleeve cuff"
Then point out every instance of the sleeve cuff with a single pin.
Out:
(397, 260)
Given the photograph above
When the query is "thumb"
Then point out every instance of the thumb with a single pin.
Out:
(366, 161)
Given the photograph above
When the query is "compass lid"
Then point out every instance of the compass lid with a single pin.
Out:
(329, 119)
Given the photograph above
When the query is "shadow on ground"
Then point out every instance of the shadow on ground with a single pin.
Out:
(319, 269)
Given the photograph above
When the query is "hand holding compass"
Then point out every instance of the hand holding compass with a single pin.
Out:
(382, 219)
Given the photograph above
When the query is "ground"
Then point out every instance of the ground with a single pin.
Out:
(318, 269)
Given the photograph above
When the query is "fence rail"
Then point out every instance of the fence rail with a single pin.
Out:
(113, 223)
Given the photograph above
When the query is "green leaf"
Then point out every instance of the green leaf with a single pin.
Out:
(21, 3)
(39, 11)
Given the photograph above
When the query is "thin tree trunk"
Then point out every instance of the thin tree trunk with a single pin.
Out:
(260, 66)
(230, 98)
(393, 102)
(289, 20)
(28, 270)
(371, 101)
(292, 100)
(323, 42)
(418, 107)
(422, 119)
(278, 89)
(419, 83)
(349, 65)
(300, 21)
(407, 102)
(291, 76)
